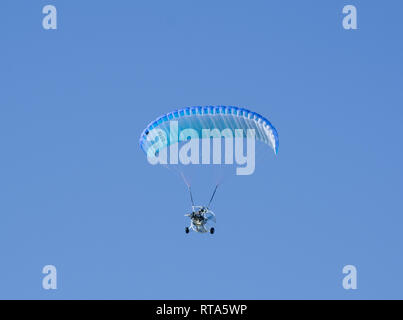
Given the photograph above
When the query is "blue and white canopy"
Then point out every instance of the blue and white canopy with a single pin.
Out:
(213, 117)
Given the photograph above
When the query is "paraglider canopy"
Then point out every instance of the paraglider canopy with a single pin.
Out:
(206, 122)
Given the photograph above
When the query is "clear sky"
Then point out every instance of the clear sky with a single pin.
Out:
(77, 192)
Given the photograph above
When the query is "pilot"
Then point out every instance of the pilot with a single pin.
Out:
(197, 216)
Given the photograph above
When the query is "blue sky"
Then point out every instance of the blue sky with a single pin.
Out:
(77, 192)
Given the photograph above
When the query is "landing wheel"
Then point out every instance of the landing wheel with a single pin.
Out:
(187, 230)
(211, 230)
